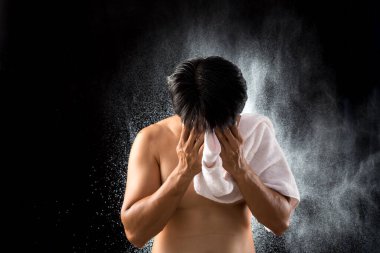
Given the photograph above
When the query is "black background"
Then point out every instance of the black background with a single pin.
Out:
(58, 57)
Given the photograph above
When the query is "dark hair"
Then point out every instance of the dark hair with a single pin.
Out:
(207, 92)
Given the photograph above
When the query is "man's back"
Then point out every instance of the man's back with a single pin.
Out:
(198, 224)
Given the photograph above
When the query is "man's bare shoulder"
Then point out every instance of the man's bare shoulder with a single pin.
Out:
(160, 129)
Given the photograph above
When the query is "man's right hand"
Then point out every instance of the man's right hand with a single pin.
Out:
(190, 151)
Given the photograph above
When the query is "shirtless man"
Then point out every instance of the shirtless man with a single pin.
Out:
(160, 200)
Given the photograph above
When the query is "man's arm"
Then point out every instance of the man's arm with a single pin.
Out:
(147, 206)
(270, 208)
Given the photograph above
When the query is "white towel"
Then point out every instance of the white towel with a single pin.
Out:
(263, 154)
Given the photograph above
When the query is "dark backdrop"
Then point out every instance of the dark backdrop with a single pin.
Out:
(76, 67)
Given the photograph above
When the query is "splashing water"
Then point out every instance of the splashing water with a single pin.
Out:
(287, 82)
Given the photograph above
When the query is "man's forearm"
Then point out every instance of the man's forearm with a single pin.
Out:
(268, 206)
(148, 216)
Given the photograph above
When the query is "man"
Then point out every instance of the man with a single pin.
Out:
(160, 201)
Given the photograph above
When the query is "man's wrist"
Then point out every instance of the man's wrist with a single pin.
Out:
(241, 171)
(180, 179)
(184, 172)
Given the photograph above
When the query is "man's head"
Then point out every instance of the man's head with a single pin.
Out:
(207, 92)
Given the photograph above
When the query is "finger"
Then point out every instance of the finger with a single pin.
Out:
(235, 133)
(186, 133)
(223, 143)
(191, 140)
(234, 142)
(199, 141)
(221, 138)
(229, 136)
(182, 138)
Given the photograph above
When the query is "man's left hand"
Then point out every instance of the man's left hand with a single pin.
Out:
(232, 149)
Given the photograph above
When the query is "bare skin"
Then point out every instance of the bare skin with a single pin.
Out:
(160, 200)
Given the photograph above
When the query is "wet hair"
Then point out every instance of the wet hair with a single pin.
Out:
(207, 92)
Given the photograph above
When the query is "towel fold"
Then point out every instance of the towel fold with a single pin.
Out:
(261, 151)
